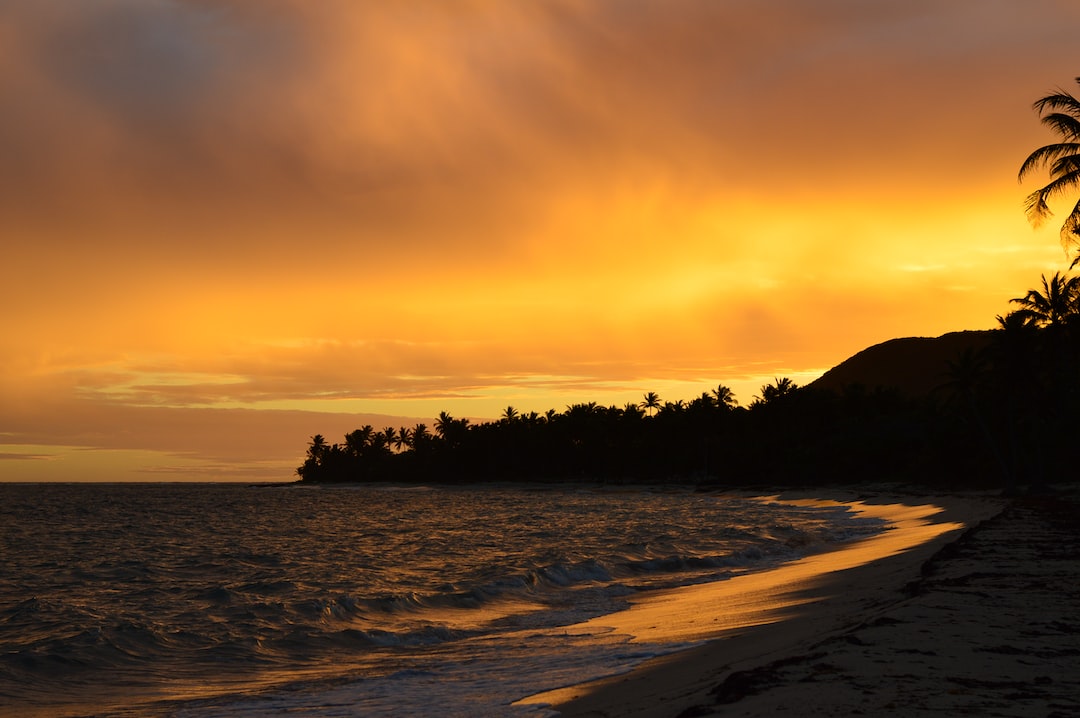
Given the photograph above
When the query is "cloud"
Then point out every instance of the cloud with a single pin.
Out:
(141, 62)
(455, 128)
(17, 456)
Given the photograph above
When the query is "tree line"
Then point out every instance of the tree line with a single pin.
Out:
(1003, 415)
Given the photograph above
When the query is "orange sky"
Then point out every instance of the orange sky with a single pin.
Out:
(231, 224)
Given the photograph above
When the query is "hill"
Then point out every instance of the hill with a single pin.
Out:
(913, 365)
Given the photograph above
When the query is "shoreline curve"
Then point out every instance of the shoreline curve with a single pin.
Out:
(754, 618)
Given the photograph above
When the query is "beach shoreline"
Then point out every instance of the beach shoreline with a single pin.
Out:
(821, 598)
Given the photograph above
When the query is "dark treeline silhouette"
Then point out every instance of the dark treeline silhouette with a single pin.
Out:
(1001, 416)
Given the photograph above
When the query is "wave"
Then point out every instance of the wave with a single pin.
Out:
(325, 581)
(279, 624)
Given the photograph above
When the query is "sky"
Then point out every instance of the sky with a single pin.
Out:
(228, 225)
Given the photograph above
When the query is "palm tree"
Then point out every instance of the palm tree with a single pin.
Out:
(724, 397)
(1014, 321)
(404, 438)
(1055, 305)
(673, 407)
(510, 415)
(389, 436)
(318, 447)
(1062, 159)
(449, 429)
(582, 409)
(651, 402)
(421, 437)
(316, 455)
(443, 423)
(357, 441)
(780, 388)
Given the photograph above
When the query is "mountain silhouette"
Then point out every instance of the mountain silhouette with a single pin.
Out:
(914, 366)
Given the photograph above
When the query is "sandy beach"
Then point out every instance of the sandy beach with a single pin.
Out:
(978, 617)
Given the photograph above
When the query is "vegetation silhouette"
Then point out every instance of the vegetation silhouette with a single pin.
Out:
(1059, 111)
(1001, 416)
(651, 402)
(1053, 306)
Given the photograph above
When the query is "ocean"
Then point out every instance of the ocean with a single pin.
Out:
(233, 600)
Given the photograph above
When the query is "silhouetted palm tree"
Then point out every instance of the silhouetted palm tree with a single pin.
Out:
(651, 402)
(585, 409)
(404, 438)
(673, 407)
(1062, 159)
(724, 397)
(451, 430)
(358, 440)
(1014, 321)
(421, 437)
(443, 424)
(1055, 305)
(387, 438)
(318, 447)
(510, 415)
(780, 388)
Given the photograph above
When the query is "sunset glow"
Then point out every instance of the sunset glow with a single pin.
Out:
(231, 224)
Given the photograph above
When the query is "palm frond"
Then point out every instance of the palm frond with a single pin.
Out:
(1068, 164)
(1028, 307)
(1053, 305)
(1065, 125)
(1070, 236)
(1061, 184)
(1059, 100)
(1027, 317)
(1046, 155)
(1034, 300)
(1036, 209)
(1036, 204)
(1072, 287)
(1015, 321)
(1060, 112)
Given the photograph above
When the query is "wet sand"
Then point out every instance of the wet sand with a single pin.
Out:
(971, 609)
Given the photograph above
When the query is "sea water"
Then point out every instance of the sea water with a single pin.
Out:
(230, 600)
